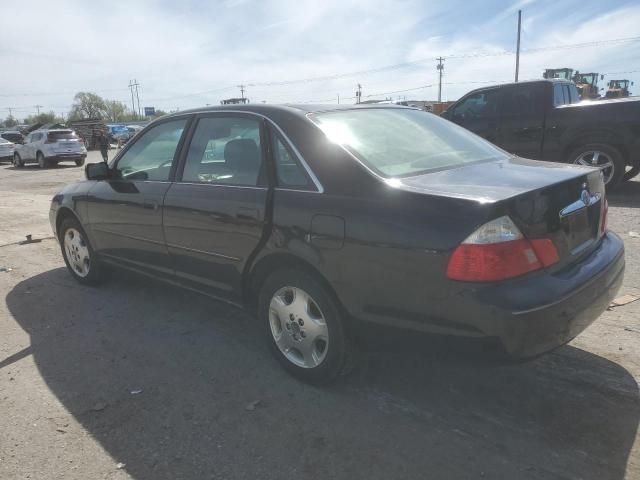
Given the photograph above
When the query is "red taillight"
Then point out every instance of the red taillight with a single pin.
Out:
(497, 251)
(605, 216)
(545, 250)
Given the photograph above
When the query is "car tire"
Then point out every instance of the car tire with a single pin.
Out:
(80, 162)
(304, 326)
(78, 254)
(42, 162)
(601, 154)
(17, 161)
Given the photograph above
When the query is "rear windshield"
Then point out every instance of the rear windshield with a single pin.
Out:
(62, 135)
(397, 142)
(12, 137)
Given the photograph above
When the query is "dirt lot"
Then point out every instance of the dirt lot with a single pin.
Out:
(140, 380)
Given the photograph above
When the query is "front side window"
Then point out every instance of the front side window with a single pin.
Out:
(397, 142)
(151, 156)
(225, 150)
(289, 172)
(481, 105)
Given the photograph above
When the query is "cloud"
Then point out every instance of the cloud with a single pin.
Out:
(198, 52)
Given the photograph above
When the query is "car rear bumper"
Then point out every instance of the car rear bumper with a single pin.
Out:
(535, 315)
(61, 157)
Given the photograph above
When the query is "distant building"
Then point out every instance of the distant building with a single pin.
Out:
(234, 101)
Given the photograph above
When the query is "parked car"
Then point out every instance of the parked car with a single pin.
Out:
(327, 219)
(49, 147)
(118, 133)
(546, 120)
(13, 136)
(6, 150)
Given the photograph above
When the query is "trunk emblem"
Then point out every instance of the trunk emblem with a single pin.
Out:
(586, 199)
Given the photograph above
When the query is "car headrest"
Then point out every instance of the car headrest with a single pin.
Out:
(242, 155)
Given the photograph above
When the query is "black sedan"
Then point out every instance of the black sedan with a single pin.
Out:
(321, 218)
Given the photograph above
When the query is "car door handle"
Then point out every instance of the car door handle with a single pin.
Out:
(245, 213)
(150, 204)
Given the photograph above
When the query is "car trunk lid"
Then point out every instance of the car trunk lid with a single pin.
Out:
(559, 202)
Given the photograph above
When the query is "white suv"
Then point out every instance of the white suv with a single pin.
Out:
(48, 147)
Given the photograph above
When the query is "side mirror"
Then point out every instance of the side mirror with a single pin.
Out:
(96, 171)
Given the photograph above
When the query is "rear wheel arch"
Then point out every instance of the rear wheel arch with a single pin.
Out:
(269, 264)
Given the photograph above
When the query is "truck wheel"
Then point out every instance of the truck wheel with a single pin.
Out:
(17, 161)
(605, 157)
(303, 325)
(78, 255)
(42, 162)
(634, 171)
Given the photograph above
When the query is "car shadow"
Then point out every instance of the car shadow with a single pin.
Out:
(34, 166)
(627, 194)
(175, 385)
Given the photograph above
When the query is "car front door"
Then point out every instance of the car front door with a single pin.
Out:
(522, 119)
(479, 112)
(215, 213)
(125, 211)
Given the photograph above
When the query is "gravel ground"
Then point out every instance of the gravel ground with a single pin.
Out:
(141, 380)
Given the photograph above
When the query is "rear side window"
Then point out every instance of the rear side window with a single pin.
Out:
(289, 172)
(524, 101)
(558, 94)
(225, 150)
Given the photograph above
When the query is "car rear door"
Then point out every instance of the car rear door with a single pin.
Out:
(125, 211)
(522, 119)
(215, 214)
(479, 112)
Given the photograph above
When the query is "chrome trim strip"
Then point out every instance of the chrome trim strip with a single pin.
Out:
(579, 205)
(132, 237)
(195, 250)
(222, 185)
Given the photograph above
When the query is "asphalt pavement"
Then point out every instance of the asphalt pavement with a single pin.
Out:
(137, 379)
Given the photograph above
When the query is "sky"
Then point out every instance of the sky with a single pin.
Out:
(196, 52)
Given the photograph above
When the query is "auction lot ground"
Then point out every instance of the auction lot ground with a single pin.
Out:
(140, 380)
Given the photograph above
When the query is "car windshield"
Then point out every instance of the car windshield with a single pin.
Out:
(397, 142)
(12, 137)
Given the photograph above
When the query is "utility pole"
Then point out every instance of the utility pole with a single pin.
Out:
(338, 99)
(241, 87)
(38, 107)
(359, 94)
(440, 68)
(133, 105)
(10, 111)
(138, 97)
(518, 46)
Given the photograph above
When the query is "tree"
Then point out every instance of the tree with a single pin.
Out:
(87, 105)
(116, 111)
(10, 122)
(44, 117)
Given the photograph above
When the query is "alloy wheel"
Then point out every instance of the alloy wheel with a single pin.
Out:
(298, 327)
(599, 159)
(77, 252)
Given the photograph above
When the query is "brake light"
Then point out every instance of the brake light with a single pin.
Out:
(497, 251)
(605, 216)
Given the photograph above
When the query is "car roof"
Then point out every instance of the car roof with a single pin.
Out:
(296, 109)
